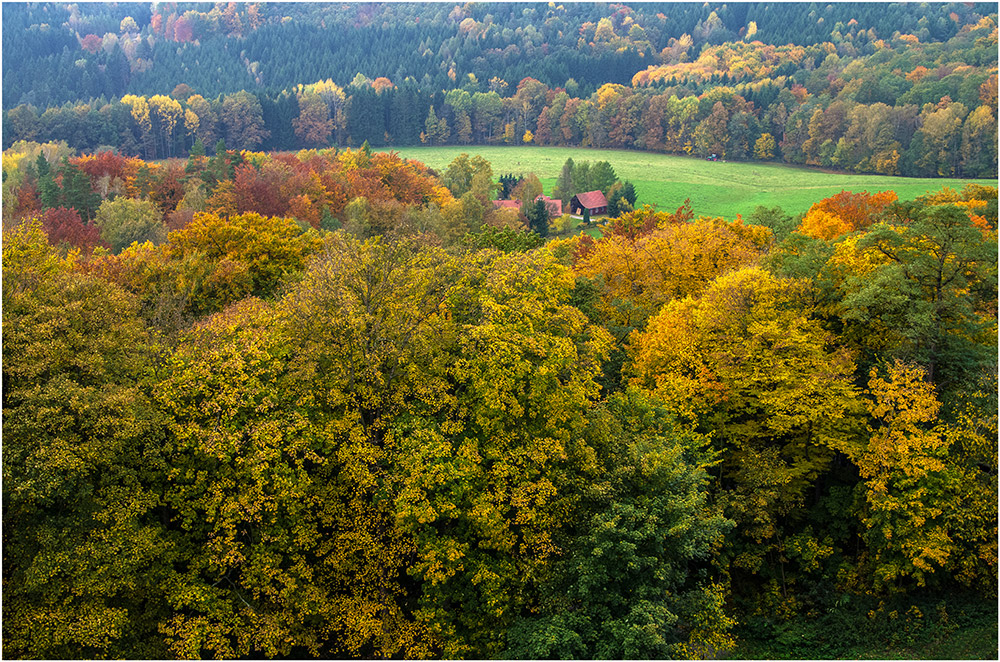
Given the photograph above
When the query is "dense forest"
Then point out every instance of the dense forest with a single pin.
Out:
(271, 392)
(333, 403)
(901, 89)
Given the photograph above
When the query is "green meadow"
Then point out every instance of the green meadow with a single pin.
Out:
(715, 188)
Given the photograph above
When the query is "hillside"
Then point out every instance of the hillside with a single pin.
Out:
(333, 404)
(305, 356)
(846, 93)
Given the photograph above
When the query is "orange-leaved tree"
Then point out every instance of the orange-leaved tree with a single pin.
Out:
(845, 212)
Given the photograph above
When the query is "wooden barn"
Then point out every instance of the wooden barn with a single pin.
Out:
(592, 200)
(554, 206)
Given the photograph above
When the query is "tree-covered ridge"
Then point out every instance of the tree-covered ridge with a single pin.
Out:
(333, 404)
(75, 52)
(920, 103)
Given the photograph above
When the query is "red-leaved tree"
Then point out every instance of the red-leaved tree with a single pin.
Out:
(64, 226)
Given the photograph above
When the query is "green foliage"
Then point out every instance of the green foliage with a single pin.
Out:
(601, 177)
(775, 218)
(628, 191)
(917, 290)
(636, 581)
(125, 221)
(564, 185)
(617, 202)
(76, 191)
(198, 148)
(538, 218)
(799, 256)
(464, 172)
(859, 627)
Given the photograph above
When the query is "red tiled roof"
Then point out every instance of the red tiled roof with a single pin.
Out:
(592, 199)
(554, 206)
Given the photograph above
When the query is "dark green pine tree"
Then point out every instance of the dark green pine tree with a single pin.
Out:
(614, 203)
(48, 190)
(198, 148)
(602, 177)
(196, 163)
(431, 129)
(407, 113)
(77, 192)
(366, 117)
(618, 203)
(278, 114)
(143, 182)
(628, 191)
(42, 166)
(220, 168)
(581, 177)
(538, 218)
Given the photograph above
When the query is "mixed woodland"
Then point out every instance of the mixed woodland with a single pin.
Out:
(904, 89)
(323, 401)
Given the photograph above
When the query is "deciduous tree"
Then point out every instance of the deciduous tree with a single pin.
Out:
(747, 361)
(83, 464)
(243, 120)
(124, 220)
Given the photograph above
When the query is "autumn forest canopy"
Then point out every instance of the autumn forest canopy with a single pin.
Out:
(271, 391)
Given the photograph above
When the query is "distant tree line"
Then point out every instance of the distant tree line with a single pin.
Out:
(73, 52)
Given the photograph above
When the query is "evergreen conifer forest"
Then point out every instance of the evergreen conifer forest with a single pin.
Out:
(271, 390)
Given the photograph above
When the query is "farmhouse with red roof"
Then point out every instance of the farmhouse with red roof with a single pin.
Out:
(592, 200)
(554, 206)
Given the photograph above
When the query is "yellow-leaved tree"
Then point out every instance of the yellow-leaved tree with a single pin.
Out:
(224, 259)
(929, 509)
(83, 461)
(747, 362)
(446, 391)
(650, 259)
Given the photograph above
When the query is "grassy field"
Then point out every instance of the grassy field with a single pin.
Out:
(715, 188)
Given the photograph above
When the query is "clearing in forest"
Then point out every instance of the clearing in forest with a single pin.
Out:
(716, 188)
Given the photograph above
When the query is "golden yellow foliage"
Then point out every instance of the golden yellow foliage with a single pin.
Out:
(672, 261)
(745, 360)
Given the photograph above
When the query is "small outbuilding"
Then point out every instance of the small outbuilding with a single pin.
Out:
(591, 200)
(553, 206)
